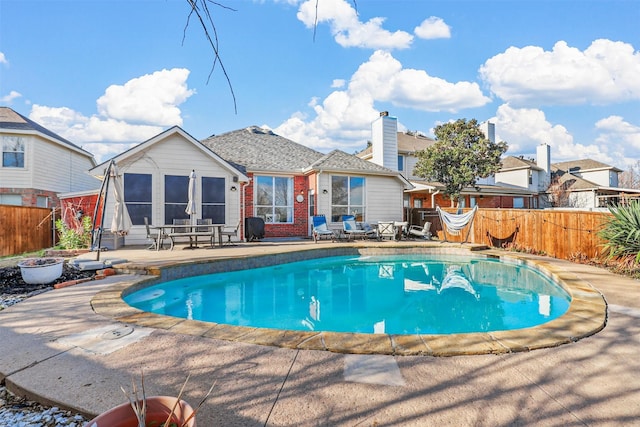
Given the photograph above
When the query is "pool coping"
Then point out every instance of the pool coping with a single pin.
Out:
(587, 313)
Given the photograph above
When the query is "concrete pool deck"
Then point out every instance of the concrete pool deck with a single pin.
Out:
(58, 349)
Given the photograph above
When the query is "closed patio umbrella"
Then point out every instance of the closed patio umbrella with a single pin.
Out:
(191, 204)
(121, 223)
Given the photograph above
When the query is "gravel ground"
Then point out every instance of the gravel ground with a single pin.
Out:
(16, 411)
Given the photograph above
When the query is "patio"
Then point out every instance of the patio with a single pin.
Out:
(54, 358)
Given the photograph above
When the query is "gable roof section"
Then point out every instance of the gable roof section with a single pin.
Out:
(133, 152)
(12, 121)
(515, 163)
(408, 143)
(570, 181)
(339, 161)
(585, 165)
(258, 149)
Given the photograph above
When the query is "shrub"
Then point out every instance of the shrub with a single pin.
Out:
(71, 238)
(621, 233)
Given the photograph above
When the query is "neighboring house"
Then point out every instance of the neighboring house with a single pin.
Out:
(291, 182)
(586, 184)
(156, 181)
(37, 164)
(399, 151)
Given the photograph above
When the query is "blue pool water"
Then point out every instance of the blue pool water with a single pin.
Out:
(394, 294)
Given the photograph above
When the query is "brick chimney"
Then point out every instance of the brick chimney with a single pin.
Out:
(384, 141)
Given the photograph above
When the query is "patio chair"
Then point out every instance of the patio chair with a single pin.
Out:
(423, 232)
(386, 229)
(369, 231)
(230, 232)
(401, 229)
(320, 228)
(350, 227)
(155, 238)
(176, 232)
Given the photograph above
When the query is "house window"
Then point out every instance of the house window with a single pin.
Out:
(11, 199)
(12, 152)
(274, 199)
(42, 201)
(137, 196)
(176, 196)
(400, 163)
(347, 197)
(530, 177)
(518, 202)
(213, 199)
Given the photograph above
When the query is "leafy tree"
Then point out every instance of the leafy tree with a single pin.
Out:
(460, 156)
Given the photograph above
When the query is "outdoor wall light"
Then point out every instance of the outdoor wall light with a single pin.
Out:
(233, 188)
(325, 191)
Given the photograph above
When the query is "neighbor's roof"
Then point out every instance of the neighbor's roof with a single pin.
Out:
(584, 165)
(407, 143)
(570, 181)
(260, 149)
(515, 163)
(13, 121)
(486, 189)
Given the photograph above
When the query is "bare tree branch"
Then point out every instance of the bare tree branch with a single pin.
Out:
(201, 10)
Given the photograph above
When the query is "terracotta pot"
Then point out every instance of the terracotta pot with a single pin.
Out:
(40, 271)
(158, 409)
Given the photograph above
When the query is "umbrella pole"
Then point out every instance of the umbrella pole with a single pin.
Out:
(104, 207)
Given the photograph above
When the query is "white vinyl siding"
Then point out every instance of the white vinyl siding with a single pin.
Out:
(383, 199)
(176, 156)
(50, 166)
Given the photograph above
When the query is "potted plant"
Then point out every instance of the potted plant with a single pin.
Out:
(40, 271)
(154, 411)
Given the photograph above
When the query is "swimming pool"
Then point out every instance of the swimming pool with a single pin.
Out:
(366, 294)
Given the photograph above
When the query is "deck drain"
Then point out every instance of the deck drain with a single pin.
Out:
(114, 334)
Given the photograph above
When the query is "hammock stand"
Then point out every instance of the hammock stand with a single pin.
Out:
(454, 223)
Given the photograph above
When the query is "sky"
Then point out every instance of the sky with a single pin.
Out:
(108, 75)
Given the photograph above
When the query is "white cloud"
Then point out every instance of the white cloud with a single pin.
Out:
(338, 83)
(526, 128)
(347, 28)
(343, 119)
(433, 28)
(128, 114)
(150, 99)
(8, 99)
(386, 80)
(606, 72)
(3, 59)
(621, 136)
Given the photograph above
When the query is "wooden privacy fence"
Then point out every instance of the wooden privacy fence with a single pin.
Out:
(24, 229)
(561, 234)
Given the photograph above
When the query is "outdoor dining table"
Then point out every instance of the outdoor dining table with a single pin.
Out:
(190, 231)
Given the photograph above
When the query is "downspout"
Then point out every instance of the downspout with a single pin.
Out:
(433, 199)
(243, 207)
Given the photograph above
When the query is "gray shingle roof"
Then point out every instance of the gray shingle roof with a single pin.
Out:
(260, 149)
(407, 143)
(583, 165)
(340, 161)
(11, 120)
(512, 162)
(257, 149)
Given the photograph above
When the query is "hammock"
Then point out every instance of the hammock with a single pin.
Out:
(454, 223)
